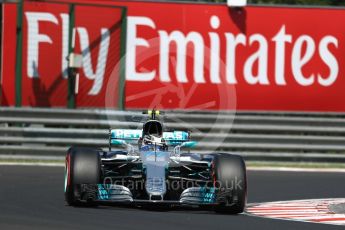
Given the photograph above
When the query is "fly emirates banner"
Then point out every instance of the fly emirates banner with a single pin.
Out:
(189, 56)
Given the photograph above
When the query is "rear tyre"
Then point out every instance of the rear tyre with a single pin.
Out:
(83, 166)
(231, 180)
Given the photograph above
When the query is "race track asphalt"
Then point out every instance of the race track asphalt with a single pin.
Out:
(32, 198)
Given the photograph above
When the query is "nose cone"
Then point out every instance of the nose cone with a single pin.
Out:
(155, 164)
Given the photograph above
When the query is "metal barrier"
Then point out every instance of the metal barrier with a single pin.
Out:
(256, 136)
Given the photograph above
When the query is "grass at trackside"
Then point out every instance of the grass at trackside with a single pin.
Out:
(315, 165)
(10, 160)
(256, 164)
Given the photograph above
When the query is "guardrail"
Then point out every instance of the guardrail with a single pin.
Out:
(256, 136)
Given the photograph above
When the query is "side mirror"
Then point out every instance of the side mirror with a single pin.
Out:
(118, 142)
(189, 144)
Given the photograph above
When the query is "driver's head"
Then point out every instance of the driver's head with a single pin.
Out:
(153, 128)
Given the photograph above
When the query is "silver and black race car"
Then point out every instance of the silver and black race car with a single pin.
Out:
(156, 167)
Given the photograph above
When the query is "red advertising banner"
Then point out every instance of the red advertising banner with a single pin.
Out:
(203, 56)
(45, 29)
(45, 51)
(98, 38)
(259, 58)
(8, 42)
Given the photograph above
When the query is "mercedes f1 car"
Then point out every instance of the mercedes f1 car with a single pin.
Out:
(155, 167)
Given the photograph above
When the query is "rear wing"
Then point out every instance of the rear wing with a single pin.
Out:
(128, 135)
(133, 135)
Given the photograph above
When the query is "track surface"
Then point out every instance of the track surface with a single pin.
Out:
(32, 198)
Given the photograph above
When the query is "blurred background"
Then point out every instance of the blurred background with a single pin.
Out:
(71, 70)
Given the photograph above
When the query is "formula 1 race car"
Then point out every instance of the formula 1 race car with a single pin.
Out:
(160, 170)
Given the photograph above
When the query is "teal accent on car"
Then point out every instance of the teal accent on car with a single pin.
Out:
(103, 193)
(117, 142)
(189, 144)
(209, 195)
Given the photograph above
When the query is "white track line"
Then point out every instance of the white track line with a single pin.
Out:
(33, 164)
(315, 211)
(292, 169)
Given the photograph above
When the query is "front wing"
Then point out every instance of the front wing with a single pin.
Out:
(104, 193)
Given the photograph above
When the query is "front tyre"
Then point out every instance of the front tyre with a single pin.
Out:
(83, 166)
(230, 179)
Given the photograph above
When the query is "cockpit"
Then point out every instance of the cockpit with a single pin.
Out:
(153, 128)
(152, 137)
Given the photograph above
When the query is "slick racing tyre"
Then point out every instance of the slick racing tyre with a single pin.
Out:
(229, 172)
(83, 166)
